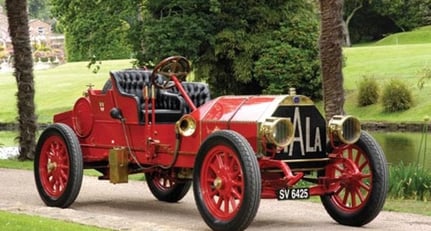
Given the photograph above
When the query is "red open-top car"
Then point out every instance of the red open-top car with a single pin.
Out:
(234, 149)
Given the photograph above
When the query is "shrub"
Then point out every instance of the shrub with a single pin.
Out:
(368, 92)
(409, 182)
(396, 96)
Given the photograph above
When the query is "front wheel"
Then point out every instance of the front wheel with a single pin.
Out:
(226, 181)
(363, 183)
(165, 188)
(58, 166)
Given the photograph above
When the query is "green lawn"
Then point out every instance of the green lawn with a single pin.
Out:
(399, 56)
(384, 63)
(56, 89)
(420, 35)
(13, 222)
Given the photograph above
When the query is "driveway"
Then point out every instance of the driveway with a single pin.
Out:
(132, 207)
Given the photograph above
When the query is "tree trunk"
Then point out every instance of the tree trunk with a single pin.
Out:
(331, 57)
(346, 23)
(23, 64)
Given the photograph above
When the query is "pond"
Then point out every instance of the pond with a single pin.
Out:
(406, 147)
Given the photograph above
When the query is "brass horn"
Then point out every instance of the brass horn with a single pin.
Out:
(186, 126)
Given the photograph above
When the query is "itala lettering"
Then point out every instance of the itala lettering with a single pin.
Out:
(305, 145)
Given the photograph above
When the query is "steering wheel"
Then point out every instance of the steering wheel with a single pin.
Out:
(177, 66)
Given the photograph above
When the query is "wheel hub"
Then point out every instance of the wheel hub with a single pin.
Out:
(218, 183)
(51, 166)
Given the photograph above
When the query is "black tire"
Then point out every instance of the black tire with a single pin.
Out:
(371, 189)
(166, 189)
(226, 169)
(58, 166)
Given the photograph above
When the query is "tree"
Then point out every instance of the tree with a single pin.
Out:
(331, 41)
(407, 14)
(234, 45)
(23, 64)
(38, 9)
(350, 9)
(94, 28)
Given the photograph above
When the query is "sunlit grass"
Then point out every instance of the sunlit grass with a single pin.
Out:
(404, 62)
(12, 222)
(420, 35)
(57, 89)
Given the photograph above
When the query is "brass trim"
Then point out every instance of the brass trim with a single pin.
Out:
(269, 130)
(346, 129)
(186, 125)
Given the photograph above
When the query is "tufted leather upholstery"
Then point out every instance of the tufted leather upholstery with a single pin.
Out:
(169, 102)
(199, 93)
(132, 82)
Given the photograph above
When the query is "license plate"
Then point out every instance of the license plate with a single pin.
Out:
(293, 193)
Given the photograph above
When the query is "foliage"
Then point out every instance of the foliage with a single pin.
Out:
(407, 14)
(409, 182)
(39, 9)
(379, 18)
(368, 92)
(174, 28)
(290, 57)
(424, 75)
(93, 28)
(396, 96)
(94, 64)
(232, 43)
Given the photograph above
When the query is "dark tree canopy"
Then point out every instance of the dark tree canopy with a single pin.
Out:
(238, 47)
(94, 28)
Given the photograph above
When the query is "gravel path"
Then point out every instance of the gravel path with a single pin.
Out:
(132, 207)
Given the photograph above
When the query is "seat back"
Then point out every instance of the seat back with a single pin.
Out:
(198, 92)
(132, 82)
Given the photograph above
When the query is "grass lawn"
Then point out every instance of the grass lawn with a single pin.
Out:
(384, 63)
(57, 89)
(13, 222)
(399, 56)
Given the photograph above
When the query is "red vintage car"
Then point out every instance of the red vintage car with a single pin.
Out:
(235, 150)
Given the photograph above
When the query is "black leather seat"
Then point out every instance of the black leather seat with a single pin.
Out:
(169, 104)
(199, 93)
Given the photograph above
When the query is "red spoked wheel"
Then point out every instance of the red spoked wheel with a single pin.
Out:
(362, 183)
(227, 183)
(166, 188)
(58, 166)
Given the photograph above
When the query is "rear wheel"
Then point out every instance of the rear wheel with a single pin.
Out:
(58, 166)
(226, 181)
(165, 188)
(363, 185)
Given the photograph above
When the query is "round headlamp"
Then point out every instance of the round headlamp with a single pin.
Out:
(346, 129)
(278, 131)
